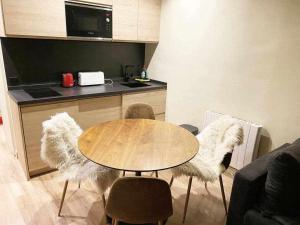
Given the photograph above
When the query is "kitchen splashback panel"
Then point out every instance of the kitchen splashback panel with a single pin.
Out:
(31, 61)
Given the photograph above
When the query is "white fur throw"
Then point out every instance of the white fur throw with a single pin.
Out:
(217, 139)
(59, 150)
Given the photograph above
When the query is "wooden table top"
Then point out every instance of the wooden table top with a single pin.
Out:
(138, 145)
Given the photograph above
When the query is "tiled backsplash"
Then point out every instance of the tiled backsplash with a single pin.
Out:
(30, 61)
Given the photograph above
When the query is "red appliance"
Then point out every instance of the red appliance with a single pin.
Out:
(67, 80)
(1, 121)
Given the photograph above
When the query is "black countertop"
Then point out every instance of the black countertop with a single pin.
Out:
(21, 97)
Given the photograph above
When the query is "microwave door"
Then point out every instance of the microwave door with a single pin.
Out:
(82, 22)
(88, 22)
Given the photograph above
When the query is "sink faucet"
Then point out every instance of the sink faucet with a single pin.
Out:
(128, 72)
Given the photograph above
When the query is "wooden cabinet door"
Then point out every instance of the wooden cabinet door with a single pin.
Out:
(17, 135)
(33, 117)
(149, 20)
(38, 18)
(161, 117)
(98, 110)
(86, 112)
(125, 17)
(157, 99)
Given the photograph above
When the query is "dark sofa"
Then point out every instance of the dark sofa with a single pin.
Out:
(267, 191)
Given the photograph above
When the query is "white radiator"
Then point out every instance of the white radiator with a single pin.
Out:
(245, 153)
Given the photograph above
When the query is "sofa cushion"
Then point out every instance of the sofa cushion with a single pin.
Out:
(253, 217)
(282, 187)
(287, 220)
(247, 186)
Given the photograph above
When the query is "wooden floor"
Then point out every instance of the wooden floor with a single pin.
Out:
(36, 201)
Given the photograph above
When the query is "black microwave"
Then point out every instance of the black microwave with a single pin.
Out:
(88, 21)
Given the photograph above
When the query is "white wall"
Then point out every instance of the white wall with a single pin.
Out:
(236, 57)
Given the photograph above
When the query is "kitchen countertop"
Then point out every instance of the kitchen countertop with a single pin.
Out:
(21, 97)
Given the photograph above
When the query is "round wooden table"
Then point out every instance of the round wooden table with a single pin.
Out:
(138, 145)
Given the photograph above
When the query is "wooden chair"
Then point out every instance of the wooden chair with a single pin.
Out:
(217, 142)
(59, 150)
(139, 200)
(140, 111)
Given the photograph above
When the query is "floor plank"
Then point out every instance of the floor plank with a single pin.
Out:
(37, 201)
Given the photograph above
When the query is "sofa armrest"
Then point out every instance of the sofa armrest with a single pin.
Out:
(247, 186)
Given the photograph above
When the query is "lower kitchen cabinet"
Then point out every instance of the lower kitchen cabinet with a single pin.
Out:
(98, 110)
(157, 99)
(87, 112)
(32, 118)
(160, 117)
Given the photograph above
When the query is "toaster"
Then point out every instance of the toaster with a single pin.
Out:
(90, 78)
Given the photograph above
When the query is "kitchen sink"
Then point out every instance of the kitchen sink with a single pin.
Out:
(41, 92)
(135, 84)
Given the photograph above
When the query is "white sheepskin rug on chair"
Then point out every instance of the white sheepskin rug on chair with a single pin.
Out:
(215, 141)
(59, 150)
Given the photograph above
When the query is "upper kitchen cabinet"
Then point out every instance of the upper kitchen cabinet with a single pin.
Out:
(34, 18)
(136, 20)
(103, 2)
(132, 20)
(125, 17)
(149, 20)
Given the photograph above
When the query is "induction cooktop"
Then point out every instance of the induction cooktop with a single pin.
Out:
(44, 92)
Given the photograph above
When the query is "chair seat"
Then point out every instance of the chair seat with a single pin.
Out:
(216, 143)
(200, 169)
(109, 221)
(59, 149)
(103, 176)
(139, 200)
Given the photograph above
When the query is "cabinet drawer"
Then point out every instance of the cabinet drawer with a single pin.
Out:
(157, 99)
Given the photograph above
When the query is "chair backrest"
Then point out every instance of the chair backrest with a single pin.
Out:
(59, 141)
(140, 200)
(220, 138)
(140, 111)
